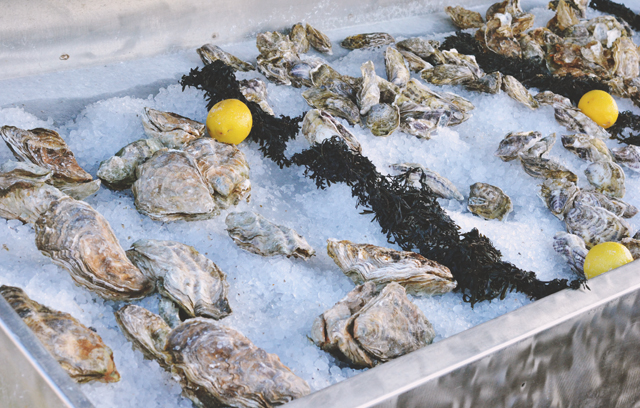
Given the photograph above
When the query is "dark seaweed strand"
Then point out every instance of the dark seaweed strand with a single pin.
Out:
(218, 81)
(626, 120)
(618, 10)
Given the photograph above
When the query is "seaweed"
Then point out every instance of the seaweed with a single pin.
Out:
(618, 10)
(626, 120)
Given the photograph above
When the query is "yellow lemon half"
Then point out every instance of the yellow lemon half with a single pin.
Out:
(600, 107)
(605, 257)
(229, 121)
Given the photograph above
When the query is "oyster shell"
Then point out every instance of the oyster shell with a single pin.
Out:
(440, 186)
(499, 36)
(517, 91)
(453, 57)
(169, 311)
(587, 148)
(319, 125)
(370, 263)
(369, 93)
(573, 119)
(299, 71)
(515, 143)
(448, 74)
(565, 17)
(427, 50)
(328, 78)
(368, 40)
(572, 249)
(209, 53)
(530, 48)
(225, 168)
(118, 172)
(491, 83)
(318, 40)
(333, 103)
(368, 330)
(421, 94)
(79, 350)
(275, 67)
(221, 367)
(397, 71)
(147, 331)
(255, 90)
(383, 119)
(463, 18)
(627, 60)
(78, 238)
(628, 156)
(170, 187)
(633, 245)
(272, 43)
(539, 148)
(595, 224)
(182, 274)
(254, 233)
(507, 6)
(558, 195)
(171, 129)
(421, 121)
(543, 168)
(607, 177)
(489, 202)
(550, 98)
(597, 199)
(298, 37)
(415, 63)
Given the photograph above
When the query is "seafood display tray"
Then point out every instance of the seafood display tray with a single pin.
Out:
(571, 349)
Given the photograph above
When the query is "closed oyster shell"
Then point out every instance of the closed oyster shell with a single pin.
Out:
(628, 156)
(255, 90)
(147, 331)
(369, 93)
(530, 48)
(597, 199)
(515, 143)
(550, 98)
(517, 91)
(79, 350)
(448, 74)
(441, 186)
(171, 129)
(626, 58)
(463, 18)
(318, 40)
(633, 245)
(170, 187)
(422, 95)
(607, 177)
(539, 148)
(507, 6)
(370, 263)
(421, 121)
(209, 53)
(254, 233)
(427, 50)
(499, 36)
(298, 37)
(78, 238)
(489, 202)
(558, 195)
(586, 147)
(383, 119)
(453, 57)
(397, 71)
(119, 171)
(333, 103)
(221, 367)
(491, 83)
(565, 17)
(573, 119)
(368, 40)
(543, 168)
(275, 67)
(415, 63)
(572, 249)
(595, 224)
(318, 125)
(324, 76)
(299, 71)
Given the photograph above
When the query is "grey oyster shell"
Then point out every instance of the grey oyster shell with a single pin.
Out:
(225, 168)
(422, 95)
(427, 50)
(539, 148)
(463, 18)
(255, 90)
(182, 274)
(79, 350)
(209, 53)
(275, 67)
(551, 99)
(586, 147)
(490, 83)
(118, 172)
(530, 48)
(440, 186)
(171, 129)
(597, 199)
(318, 126)
(24, 195)
(170, 187)
(633, 245)
(453, 57)
(607, 177)
(421, 121)
(573, 119)
(489, 202)
(397, 71)
(256, 234)
(221, 367)
(543, 168)
(415, 63)
(370, 263)
(333, 103)
(318, 40)
(169, 311)
(448, 74)
(368, 40)
(626, 58)
(324, 76)
(78, 238)
(298, 36)
(300, 72)
(499, 35)
(517, 91)
(368, 330)
(383, 119)
(595, 224)
(515, 143)
(572, 249)
(147, 331)
(558, 195)
(369, 93)
(628, 156)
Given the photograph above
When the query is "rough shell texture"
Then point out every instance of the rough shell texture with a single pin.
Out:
(256, 234)
(333, 103)
(318, 40)
(210, 53)
(633, 245)
(491, 83)
(420, 94)
(397, 71)
(299, 71)
(182, 274)
(515, 143)
(596, 199)
(448, 74)
(369, 93)
(383, 119)
(79, 350)
(627, 60)
(147, 331)
(539, 148)
(421, 121)
(415, 63)
(558, 195)
(255, 90)
(463, 18)
(517, 91)
(78, 238)
(368, 40)
(119, 171)
(220, 366)
(586, 147)
(319, 125)
(441, 186)
(551, 99)
(572, 249)
(607, 177)
(170, 187)
(499, 36)
(427, 50)
(543, 168)
(298, 36)
(573, 119)
(628, 156)
(170, 129)
(370, 263)
(488, 201)
(595, 225)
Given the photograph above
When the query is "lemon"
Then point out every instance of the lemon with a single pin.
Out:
(229, 121)
(605, 257)
(600, 107)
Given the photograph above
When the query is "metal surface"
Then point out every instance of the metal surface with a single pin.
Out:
(29, 376)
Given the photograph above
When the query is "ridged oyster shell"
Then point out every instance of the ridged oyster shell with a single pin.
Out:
(256, 234)
(147, 331)
(397, 71)
(558, 195)
(498, 35)
(325, 77)
(572, 249)
(119, 171)
(586, 147)
(368, 40)
(383, 119)
(79, 350)
(489, 202)
(544, 168)
(421, 121)
(596, 199)
(607, 177)
(514, 143)
(573, 119)
(633, 245)
(422, 95)
(463, 18)
(369, 93)
(171, 129)
(182, 274)
(595, 225)
(448, 74)
(209, 53)
(318, 125)
(427, 50)
(628, 156)
(368, 329)
(370, 263)
(490, 83)
(319, 40)
(78, 238)
(517, 91)
(333, 103)
(255, 90)
(441, 186)
(298, 36)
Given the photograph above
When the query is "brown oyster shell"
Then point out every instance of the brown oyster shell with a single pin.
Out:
(171, 129)
(573, 119)
(298, 36)
(633, 245)
(597, 199)
(255, 90)
(318, 126)
(318, 40)
(147, 331)
(209, 53)
(499, 36)
(489, 202)
(463, 18)
(119, 171)
(448, 74)
(595, 224)
(439, 185)
(550, 98)
(333, 103)
(397, 71)
(627, 60)
(607, 177)
(572, 248)
(558, 195)
(586, 147)
(565, 17)
(544, 168)
(515, 143)
(490, 83)
(421, 121)
(369, 93)
(383, 119)
(628, 156)
(517, 91)
(368, 40)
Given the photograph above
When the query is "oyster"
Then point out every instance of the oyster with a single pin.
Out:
(369, 330)
(369, 263)
(607, 177)
(272, 43)
(182, 274)
(440, 186)
(448, 74)
(607, 29)
(550, 98)
(565, 17)
(388, 91)
(319, 125)
(78, 238)
(415, 63)
(543, 168)
(530, 48)
(118, 172)
(586, 147)
(489, 202)
(597, 199)
(147, 331)
(421, 121)
(255, 90)
(628, 156)
(383, 119)
(558, 195)
(318, 40)
(627, 60)
(421, 94)
(507, 6)
(491, 83)
(333, 103)
(368, 40)
(299, 71)
(224, 167)
(427, 50)
(78, 349)
(209, 53)
(499, 36)
(369, 93)
(463, 18)
(254, 233)
(276, 68)
(397, 71)
(328, 78)
(573, 119)
(515, 143)
(169, 311)
(539, 148)
(572, 249)
(453, 57)
(633, 245)
(595, 224)
(170, 129)
(170, 187)
(298, 37)
(517, 91)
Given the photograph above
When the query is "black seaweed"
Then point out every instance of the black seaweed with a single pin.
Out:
(618, 10)
(626, 120)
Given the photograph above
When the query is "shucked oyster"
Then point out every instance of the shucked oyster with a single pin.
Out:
(367, 329)
(441, 186)
(256, 234)
(78, 238)
(119, 171)
(607, 177)
(209, 53)
(183, 275)
(79, 350)
(587, 147)
(255, 90)
(170, 129)
(595, 225)
(489, 202)
(370, 263)
(572, 249)
(368, 40)
(319, 125)
(463, 18)
(147, 331)
(333, 103)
